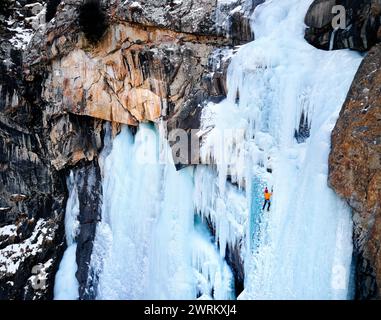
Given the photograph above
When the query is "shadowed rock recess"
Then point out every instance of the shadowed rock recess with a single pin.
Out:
(67, 68)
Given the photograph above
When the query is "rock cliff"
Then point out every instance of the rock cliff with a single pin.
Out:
(355, 158)
(149, 61)
(32, 194)
(355, 170)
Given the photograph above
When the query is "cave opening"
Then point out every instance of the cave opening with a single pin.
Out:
(92, 21)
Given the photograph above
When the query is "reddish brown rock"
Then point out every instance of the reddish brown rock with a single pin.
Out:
(132, 75)
(355, 170)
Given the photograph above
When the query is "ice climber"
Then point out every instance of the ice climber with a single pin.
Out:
(267, 199)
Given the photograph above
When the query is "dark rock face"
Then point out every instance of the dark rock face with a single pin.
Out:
(32, 192)
(302, 133)
(37, 146)
(5, 6)
(215, 81)
(363, 21)
(355, 157)
(233, 20)
(88, 183)
(233, 258)
(51, 9)
(236, 263)
(201, 17)
(355, 170)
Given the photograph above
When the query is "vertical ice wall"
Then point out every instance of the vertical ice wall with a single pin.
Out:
(302, 248)
(146, 245)
(66, 284)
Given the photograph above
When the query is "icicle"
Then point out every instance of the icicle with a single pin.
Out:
(214, 278)
(144, 246)
(66, 283)
(332, 39)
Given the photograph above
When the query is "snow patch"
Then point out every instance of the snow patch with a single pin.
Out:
(8, 231)
(12, 256)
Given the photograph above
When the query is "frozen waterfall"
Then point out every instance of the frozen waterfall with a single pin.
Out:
(148, 245)
(274, 128)
(66, 284)
(302, 248)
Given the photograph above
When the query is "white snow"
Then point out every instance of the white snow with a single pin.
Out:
(8, 231)
(133, 5)
(12, 256)
(38, 21)
(24, 30)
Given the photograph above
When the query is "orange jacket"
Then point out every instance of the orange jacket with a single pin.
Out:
(268, 195)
